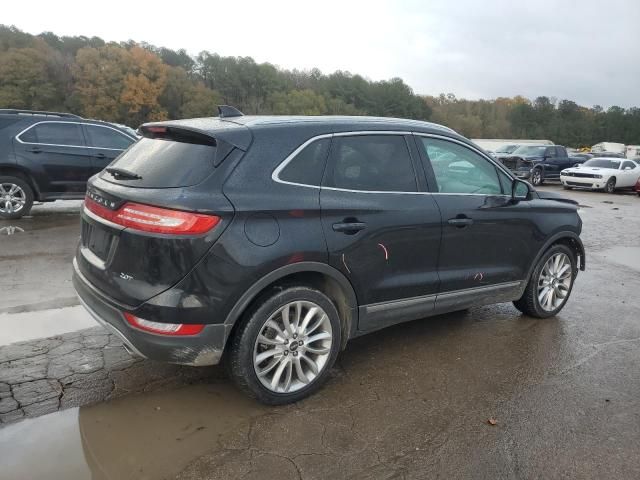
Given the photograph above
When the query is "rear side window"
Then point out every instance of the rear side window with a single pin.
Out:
(55, 133)
(307, 166)
(103, 137)
(164, 164)
(378, 163)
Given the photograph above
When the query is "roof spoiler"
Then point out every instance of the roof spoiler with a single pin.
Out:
(227, 111)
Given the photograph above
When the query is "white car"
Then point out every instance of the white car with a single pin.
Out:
(606, 174)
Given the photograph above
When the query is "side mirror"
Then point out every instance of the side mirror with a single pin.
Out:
(519, 190)
(627, 168)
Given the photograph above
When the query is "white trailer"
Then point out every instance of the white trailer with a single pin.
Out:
(609, 147)
(492, 144)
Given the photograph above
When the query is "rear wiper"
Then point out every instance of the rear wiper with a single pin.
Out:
(123, 174)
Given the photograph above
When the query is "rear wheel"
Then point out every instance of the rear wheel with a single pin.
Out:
(550, 284)
(610, 187)
(286, 345)
(537, 177)
(16, 198)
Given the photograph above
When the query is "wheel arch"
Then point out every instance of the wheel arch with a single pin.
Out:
(570, 239)
(319, 275)
(16, 171)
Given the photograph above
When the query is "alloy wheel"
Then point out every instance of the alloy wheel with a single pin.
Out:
(12, 198)
(554, 282)
(293, 347)
(537, 177)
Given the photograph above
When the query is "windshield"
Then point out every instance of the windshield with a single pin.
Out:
(530, 150)
(602, 163)
(506, 149)
(162, 164)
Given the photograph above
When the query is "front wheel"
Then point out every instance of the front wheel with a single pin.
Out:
(286, 345)
(610, 187)
(550, 284)
(16, 198)
(537, 178)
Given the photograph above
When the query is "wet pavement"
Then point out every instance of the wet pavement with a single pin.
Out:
(411, 401)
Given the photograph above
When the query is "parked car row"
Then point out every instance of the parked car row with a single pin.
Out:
(46, 156)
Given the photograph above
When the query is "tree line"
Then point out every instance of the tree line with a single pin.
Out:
(130, 83)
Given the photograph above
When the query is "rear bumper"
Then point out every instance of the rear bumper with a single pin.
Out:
(205, 348)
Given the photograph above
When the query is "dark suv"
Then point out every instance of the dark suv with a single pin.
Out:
(47, 156)
(539, 162)
(275, 240)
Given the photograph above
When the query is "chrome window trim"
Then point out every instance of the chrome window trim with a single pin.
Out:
(276, 178)
(17, 137)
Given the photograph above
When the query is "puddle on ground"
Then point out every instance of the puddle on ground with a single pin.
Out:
(150, 436)
(627, 256)
(23, 326)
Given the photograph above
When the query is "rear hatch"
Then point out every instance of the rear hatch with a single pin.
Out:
(155, 211)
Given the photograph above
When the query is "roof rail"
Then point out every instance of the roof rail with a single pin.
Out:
(16, 111)
(227, 111)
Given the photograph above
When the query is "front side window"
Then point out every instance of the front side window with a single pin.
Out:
(103, 137)
(379, 163)
(458, 169)
(307, 166)
(55, 133)
(551, 152)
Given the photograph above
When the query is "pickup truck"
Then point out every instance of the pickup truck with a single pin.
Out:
(538, 163)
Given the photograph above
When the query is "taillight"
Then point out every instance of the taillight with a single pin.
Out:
(175, 329)
(154, 219)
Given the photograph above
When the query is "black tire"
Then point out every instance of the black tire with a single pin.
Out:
(567, 187)
(240, 356)
(28, 197)
(529, 304)
(610, 187)
(537, 177)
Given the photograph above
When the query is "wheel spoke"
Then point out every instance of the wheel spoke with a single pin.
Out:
(264, 355)
(270, 366)
(299, 372)
(542, 294)
(285, 320)
(269, 341)
(319, 322)
(276, 376)
(312, 365)
(307, 318)
(288, 376)
(317, 337)
(318, 350)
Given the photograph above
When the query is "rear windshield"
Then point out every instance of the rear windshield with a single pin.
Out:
(163, 164)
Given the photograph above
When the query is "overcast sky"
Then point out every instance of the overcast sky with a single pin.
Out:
(587, 51)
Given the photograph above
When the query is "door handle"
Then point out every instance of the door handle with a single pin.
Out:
(35, 150)
(100, 155)
(460, 222)
(350, 228)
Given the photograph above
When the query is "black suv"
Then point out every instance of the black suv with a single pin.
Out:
(47, 156)
(275, 240)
